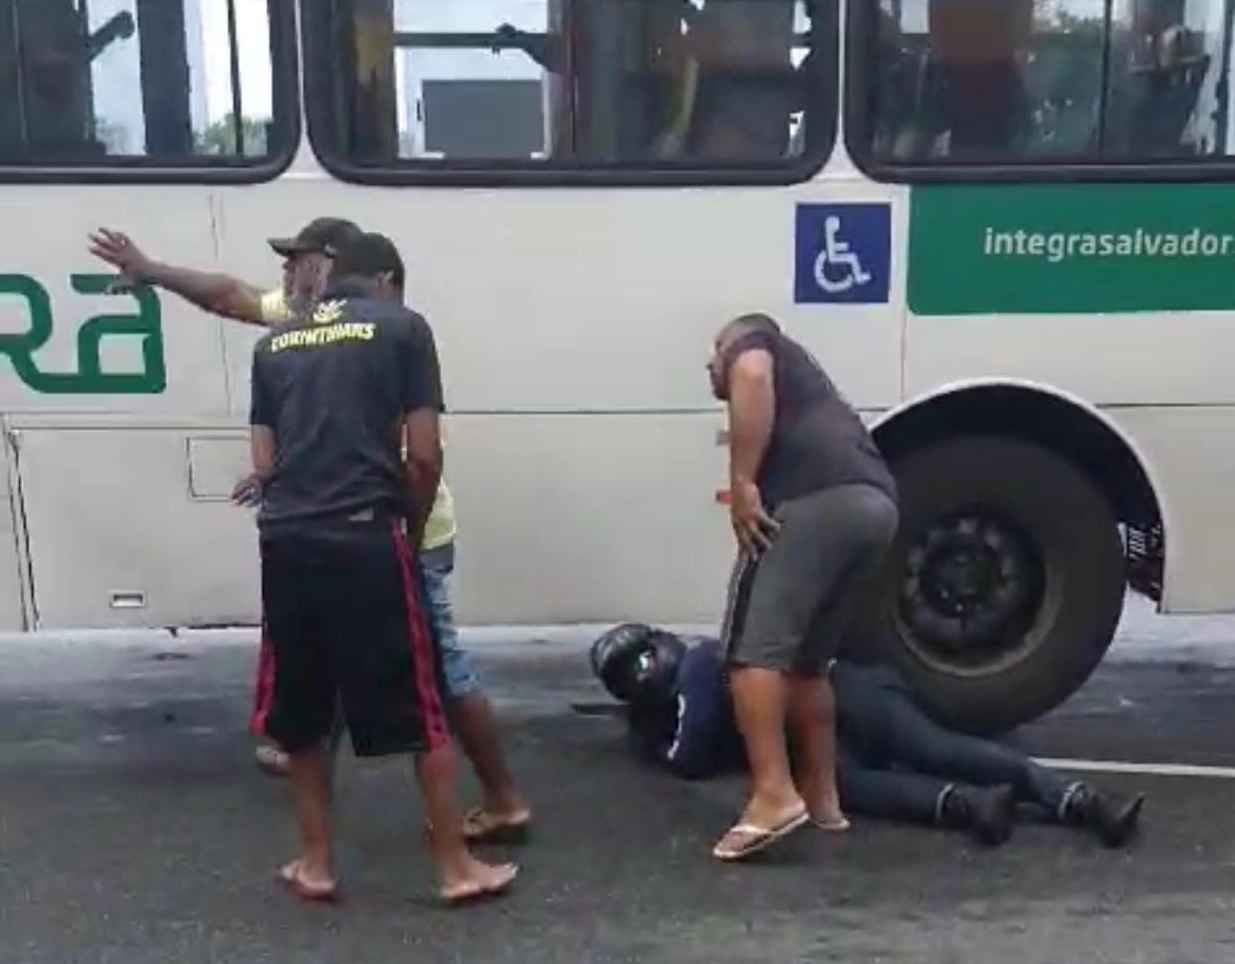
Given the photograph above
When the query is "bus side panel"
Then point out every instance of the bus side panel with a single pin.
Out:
(581, 518)
(130, 524)
(1101, 358)
(587, 300)
(1075, 286)
(247, 217)
(170, 360)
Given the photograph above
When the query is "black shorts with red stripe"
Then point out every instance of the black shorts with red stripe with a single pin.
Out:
(346, 629)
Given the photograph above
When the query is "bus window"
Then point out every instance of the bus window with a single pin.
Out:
(1170, 70)
(582, 83)
(154, 82)
(1016, 81)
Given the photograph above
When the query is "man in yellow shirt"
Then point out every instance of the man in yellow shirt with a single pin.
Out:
(504, 815)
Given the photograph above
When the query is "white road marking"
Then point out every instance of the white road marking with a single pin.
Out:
(1151, 769)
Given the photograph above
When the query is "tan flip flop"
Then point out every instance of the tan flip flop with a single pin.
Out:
(758, 838)
(289, 876)
(475, 892)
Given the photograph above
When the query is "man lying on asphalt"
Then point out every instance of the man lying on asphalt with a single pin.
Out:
(894, 761)
(504, 814)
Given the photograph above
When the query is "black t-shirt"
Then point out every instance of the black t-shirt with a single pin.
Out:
(335, 389)
(818, 441)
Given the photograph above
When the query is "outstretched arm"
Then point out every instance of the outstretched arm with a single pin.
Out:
(218, 294)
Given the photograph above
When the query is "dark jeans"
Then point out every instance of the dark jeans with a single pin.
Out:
(888, 794)
(895, 761)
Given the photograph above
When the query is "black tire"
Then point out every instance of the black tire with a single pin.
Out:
(1022, 667)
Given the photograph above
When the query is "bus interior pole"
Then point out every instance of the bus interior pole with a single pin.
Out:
(1104, 90)
(376, 132)
(19, 71)
(165, 77)
(87, 70)
(233, 50)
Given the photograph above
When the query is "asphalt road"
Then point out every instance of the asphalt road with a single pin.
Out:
(134, 830)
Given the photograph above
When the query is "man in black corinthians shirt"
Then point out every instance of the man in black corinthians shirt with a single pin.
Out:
(334, 396)
(814, 509)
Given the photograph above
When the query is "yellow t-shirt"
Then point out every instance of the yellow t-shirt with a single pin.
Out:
(274, 310)
(441, 528)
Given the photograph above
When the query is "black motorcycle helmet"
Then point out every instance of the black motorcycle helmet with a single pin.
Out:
(653, 679)
(613, 657)
(635, 662)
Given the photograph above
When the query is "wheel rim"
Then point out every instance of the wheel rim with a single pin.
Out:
(972, 588)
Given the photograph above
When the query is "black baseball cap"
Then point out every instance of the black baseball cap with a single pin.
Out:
(319, 236)
(368, 254)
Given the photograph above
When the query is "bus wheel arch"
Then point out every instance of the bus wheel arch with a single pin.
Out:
(1012, 496)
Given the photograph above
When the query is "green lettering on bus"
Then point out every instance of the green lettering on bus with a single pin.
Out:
(89, 379)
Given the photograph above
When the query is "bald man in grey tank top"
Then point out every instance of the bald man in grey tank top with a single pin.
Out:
(814, 509)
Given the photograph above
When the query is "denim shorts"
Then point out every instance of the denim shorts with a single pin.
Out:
(437, 565)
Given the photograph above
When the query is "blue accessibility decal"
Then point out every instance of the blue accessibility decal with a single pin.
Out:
(842, 253)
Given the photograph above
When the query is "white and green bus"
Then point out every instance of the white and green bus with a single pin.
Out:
(1005, 226)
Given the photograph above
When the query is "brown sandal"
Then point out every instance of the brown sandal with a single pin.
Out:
(481, 826)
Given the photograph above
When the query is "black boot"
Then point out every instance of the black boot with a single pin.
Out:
(988, 814)
(1113, 823)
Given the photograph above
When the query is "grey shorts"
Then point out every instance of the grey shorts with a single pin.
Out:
(790, 608)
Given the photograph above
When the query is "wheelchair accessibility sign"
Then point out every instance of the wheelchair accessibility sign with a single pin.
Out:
(842, 253)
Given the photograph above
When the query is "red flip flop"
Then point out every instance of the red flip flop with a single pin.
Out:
(289, 877)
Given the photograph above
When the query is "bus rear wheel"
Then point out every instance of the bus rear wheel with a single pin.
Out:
(1005, 584)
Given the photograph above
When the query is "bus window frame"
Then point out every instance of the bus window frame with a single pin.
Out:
(320, 92)
(857, 131)
(285, 135)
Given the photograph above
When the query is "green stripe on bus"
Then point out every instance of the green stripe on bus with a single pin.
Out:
(1071, 248)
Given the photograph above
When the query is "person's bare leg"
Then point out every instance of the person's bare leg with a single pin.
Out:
(482, 743)
(309, 773)
(759, 697)
(462, 876)
(812, 723)
(475, 726)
